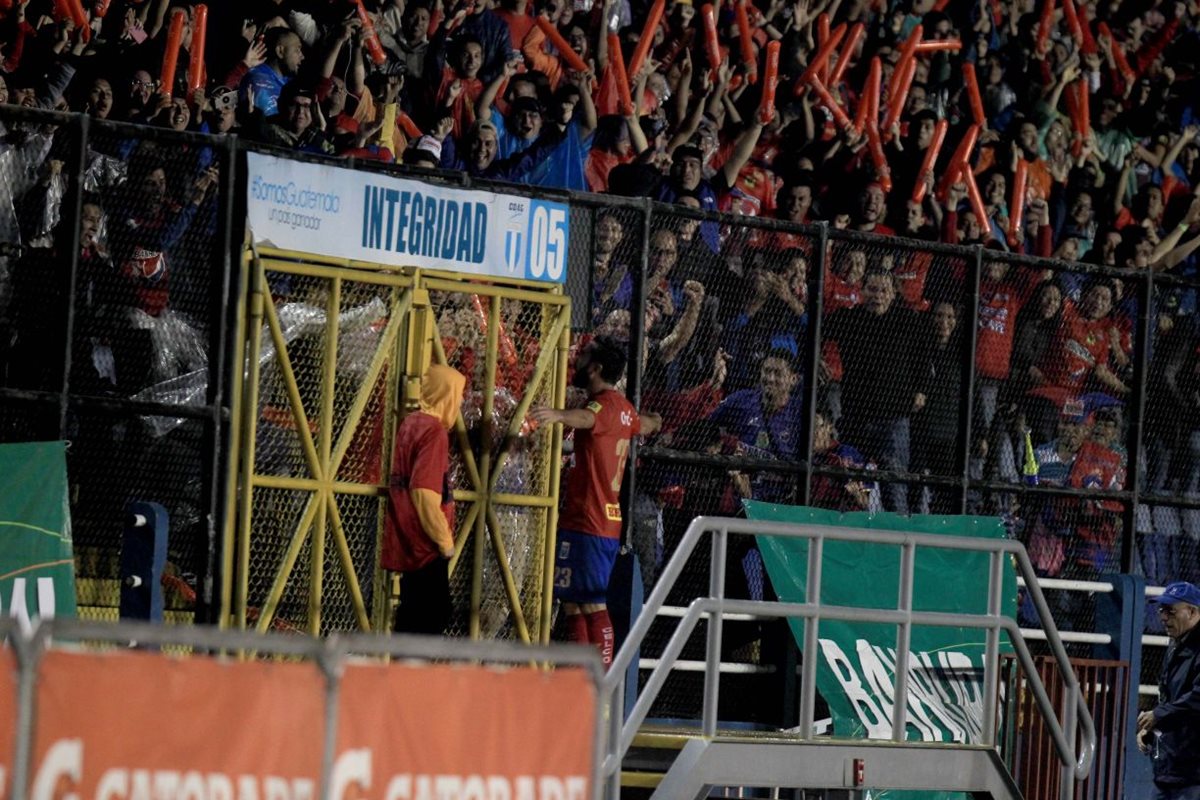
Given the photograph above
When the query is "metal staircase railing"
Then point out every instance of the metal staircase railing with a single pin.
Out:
(1076, 755)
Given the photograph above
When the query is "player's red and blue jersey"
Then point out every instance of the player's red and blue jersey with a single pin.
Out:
(592, 502)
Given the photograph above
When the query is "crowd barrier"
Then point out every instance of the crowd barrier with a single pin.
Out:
(951, 404)
(134, 710)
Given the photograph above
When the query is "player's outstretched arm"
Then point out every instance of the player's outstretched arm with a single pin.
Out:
(580, 418)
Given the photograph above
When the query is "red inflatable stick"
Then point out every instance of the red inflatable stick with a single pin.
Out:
(766, 106)
(930, 160)
(934, 45)
(1089, 41)
(852, 40)
(617, 59)
(883, 173)
(839, 116)
(199, 33)
(822, 29)
(822, 56)
(896, 102)
(646, 41)
(171, 54)
(976, 201)
(1045, 25)
(565, 53)
(1083, 119)
(960, 161)
(745, 43)
(712, 48)
(906, 53)
(976, 100)
(75, 9)
(1016, 207)
(1073, 25)
(1118, 54)
(868, 99)
(369, 35)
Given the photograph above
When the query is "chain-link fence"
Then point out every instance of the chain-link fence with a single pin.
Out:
(854, 372)
(114, 282)
(801, 364)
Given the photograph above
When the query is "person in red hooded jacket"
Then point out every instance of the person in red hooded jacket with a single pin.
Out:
(418, 538)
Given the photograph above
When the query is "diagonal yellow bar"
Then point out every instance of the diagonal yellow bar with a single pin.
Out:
(293, 389)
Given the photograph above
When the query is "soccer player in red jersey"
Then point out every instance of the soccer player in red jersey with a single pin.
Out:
(589, 529)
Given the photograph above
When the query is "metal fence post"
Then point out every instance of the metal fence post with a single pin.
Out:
(72, 209)
(330, 657)
(1142, 347)
(29, 651)
(812, 357)
(216, 446)
(966, 418)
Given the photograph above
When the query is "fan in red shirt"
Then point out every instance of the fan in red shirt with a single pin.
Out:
(589, 529)
(1081, 349)
(418, 537)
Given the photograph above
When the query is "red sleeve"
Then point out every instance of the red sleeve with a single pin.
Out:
(1151, 50)
(1045, 242)
(950, 227)
(234, 78)
(431, 455)
(324, 88)
(603, 416)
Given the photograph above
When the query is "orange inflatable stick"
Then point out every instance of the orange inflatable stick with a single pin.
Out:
(1016, 206)
(199, 33)
(930, 160)
(617, 59)
(852, 40)
(171, 54)
(976, 100)
(766, 106)
(960, 161)
(569, 56)
(646, 41)
(745, 42)
(897, 101)
(712, 47)
(369, 35)
(839, 116)
(819, 60)
(868, 96)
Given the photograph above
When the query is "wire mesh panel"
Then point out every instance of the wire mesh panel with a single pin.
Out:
(112, 306)
(895, 336)
(507, 344)
(324, 375)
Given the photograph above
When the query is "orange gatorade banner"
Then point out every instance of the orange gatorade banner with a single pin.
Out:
(450, 732)
(142, 725)
(8, 717)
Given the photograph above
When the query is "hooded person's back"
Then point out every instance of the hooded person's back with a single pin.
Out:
(420, 518)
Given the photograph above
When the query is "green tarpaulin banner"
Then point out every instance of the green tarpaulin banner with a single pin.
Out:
(37, 566)
(856, 669)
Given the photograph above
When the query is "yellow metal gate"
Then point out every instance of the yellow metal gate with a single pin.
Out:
(333, 353)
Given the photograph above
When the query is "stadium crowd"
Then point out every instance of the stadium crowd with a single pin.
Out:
(1055, 129)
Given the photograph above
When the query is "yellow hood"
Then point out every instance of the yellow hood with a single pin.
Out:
(442, 393)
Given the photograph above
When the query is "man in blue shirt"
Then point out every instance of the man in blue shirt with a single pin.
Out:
(766, 421)
(480, 159)
(285, 54)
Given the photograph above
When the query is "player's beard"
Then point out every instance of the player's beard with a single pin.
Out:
(581, 380)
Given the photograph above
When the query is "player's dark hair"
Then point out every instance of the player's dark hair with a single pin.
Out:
(610, 355)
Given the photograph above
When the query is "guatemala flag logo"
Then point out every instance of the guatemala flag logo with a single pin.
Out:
(513, 239)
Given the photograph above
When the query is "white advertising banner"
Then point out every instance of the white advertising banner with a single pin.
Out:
(343, 213)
